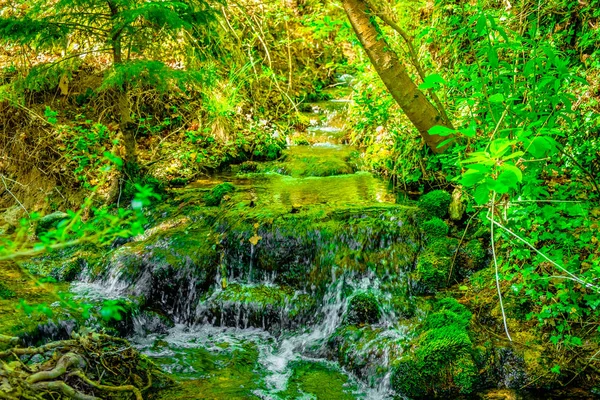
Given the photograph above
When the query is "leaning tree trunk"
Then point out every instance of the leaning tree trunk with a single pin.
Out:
(392, 72)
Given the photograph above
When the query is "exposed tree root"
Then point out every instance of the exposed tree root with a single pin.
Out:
(91, 366)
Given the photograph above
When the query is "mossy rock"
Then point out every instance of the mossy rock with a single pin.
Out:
(435, 203)
(435, 228)
(363, 308)
(259, 306)
(216, 194)
(433, 268)
(441, 362)
(356, 348)
(317, 161)
(50, 221)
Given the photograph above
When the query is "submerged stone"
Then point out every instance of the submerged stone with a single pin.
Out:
(216, 194)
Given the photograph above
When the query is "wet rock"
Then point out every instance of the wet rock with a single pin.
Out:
(50, 221)
(367, 351)
(49, 331)
(149, 321)
(363, 308)
(257, 306)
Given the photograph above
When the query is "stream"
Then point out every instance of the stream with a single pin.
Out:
(298, 288)
(237, 353)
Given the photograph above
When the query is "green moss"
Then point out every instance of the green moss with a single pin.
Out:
(441, 360)
(317, 380)
(215, 196)
(363, 308)
(258, 305)
(435, 203)
(435, 228)
(356, 348)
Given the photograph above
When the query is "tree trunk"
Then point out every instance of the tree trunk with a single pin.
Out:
(411, 100)
(123, 108)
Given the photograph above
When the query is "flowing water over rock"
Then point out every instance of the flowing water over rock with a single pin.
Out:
(300, 285)
(256, 301)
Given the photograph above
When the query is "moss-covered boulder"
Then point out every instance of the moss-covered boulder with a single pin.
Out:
(434, 228)
(440, 362)
(434, 266)
(367, 350)
(168, 270)
(363, 308)
(435, 203)
(472, 256)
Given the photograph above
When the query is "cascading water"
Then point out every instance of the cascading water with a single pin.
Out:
(271, 313)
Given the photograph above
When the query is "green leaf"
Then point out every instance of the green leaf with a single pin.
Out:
(513, 155)
(496, 98)
(471, 177)
(515, 170)
(482, 195)
(507, 180)
(432, 82)
(441, 130)
(499, 146)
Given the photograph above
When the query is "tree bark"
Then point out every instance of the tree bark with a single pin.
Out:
(392, 72)
(123, 107)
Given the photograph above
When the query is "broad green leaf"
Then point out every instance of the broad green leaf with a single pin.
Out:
(496, 98)
(441, 130)
(432, 82)
(509, 179)
(482, 195)
(513, 155)
(499, 146)
(515, 170)
(471, 177)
